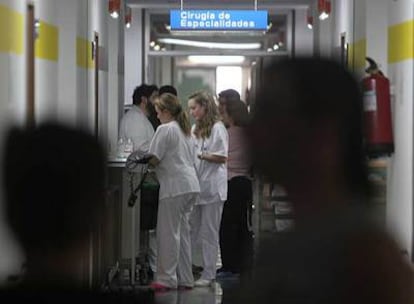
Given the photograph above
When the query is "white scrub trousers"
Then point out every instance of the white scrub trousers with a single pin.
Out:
(174, 242)
(205, 227)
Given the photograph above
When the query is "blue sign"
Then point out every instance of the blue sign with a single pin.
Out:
(218, 20)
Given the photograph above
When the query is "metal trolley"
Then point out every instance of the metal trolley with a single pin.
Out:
(148, 192)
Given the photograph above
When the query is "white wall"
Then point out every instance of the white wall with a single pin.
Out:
(343, 14)
(83, 74)
(46, 70)
(114, 89)
(303, 35)
(325, 41)
(67, 77)
(133, 55)
(12, 101)
(400, 173)
(377, 32)
(366, 24)
(64, 88)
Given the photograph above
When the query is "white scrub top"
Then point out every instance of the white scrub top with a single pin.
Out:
(135, 125)
(175, 172)
(212, 176)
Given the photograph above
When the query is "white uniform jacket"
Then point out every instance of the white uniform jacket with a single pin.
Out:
(135, 125)
(176, 172)
(212, 176)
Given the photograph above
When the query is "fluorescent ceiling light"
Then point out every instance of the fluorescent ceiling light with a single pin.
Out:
(216, 59)
(211, 45)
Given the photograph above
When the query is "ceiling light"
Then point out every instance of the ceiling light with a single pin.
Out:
(128, 17)
(324, 9)
(216, 59)
(114, 7)
(309, 19)
(211, 45)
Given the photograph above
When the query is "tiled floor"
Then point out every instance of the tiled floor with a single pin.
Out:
(222, 289)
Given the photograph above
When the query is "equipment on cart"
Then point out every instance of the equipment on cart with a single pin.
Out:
(148, 189)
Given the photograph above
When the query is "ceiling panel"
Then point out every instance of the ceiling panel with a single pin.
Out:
(242, 4)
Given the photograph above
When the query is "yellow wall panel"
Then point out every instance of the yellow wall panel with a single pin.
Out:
(11, 31)
(356, 54)
(84, 53)
(47, 43)
(400, 42)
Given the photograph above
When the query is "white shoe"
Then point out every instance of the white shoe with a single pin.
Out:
(203, 283)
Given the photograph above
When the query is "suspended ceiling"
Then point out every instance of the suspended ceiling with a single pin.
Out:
(220, 4)
(277, 34)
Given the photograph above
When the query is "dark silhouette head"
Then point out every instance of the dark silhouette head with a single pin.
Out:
(307, 126)
(54, 189)
(306, 135)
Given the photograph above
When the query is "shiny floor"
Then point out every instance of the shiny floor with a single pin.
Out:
(200, 295)
(223, 290)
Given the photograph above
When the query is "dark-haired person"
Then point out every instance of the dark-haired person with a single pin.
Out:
(234, 227)
(152, 114)
(168, 89)
(54, 182)
(307, 135)
(227, 96)
(172, 153)
(134, 124)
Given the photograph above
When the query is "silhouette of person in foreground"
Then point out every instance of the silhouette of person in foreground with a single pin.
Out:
(306, 135)
(54, 179)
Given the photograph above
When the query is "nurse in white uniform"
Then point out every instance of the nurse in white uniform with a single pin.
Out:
(172, 153)
(211, 141)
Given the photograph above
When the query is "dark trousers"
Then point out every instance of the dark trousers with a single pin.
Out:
(234, 228)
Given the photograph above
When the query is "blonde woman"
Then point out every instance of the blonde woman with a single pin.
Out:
(172, 151)
(211, 141)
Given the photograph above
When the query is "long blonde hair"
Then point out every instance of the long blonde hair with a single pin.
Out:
(170, 103)
(204, 125)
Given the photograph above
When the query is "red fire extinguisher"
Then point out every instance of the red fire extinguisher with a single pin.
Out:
(377, 112)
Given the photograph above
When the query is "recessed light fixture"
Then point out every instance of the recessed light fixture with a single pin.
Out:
(216, 59)
(211, 45)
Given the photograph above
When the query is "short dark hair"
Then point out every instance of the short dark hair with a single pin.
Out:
(168, 89)
(144, 90)
(238, 111)
(303, 88)
(229, 95)
(54, 178)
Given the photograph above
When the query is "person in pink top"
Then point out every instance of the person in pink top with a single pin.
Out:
(234, 228)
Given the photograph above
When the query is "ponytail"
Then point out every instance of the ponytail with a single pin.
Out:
(170, 102)
(184, 122)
